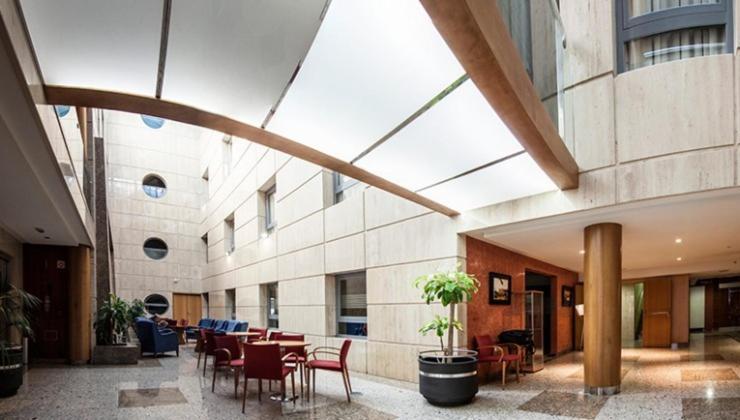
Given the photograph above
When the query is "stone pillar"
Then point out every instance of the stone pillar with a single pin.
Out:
(602, 271)
(80, 304)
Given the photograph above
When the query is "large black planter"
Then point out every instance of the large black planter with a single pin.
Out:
(11, 373)
(448, 380)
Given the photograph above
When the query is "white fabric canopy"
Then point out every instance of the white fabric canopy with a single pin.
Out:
(368, 82)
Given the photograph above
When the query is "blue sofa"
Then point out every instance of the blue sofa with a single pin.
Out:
(155, 340)
(232, 326)
(192, 332)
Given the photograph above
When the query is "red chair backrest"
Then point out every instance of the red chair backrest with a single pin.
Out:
(273, 334)
(483, 341)
(184, 322)
(172, 322)
(210, 345)
(343, 352)
(230, 343)
(299, 350)
(263, 361)
(262, 331)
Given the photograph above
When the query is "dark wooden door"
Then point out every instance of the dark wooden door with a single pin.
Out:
(656, 330)
(46, 276)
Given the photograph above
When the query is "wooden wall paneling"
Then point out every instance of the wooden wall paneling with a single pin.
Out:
(578, 337)
(80, 302)
(680, 309)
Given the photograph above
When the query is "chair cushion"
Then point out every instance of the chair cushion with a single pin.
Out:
(324, 364)
(511, 357)
(294, 359)
(286, 371)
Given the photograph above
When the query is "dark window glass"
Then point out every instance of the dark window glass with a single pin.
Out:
(154, 186)
(155, 248)
(156, 304)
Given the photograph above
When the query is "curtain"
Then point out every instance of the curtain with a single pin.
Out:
(640, 7)
(675, 45)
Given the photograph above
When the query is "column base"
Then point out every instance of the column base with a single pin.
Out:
(601, 390)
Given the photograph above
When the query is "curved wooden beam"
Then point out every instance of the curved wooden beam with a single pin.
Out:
(477, 35)
(92, 98)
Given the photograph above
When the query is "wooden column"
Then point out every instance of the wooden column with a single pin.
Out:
(80, 302)
(602, 271)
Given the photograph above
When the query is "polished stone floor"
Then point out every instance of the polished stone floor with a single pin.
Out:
(699, 382)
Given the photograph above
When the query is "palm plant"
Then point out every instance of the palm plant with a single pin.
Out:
(450, 288)
(113, 319)
(16, 306)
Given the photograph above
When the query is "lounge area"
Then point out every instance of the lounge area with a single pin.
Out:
(659, 383)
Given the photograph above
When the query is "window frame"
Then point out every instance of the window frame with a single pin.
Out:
(670, 20)
(340, 186)
(349, 319)
(270, 221)
(159, 191)
(166, 305)
(154, 238)
(271, 317)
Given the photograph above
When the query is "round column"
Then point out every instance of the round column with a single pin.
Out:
(602, 326)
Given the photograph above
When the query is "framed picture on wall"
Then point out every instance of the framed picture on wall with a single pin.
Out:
(566, 298)
(499, 289)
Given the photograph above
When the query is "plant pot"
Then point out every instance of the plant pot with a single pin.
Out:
(448, 380)
(11, 373)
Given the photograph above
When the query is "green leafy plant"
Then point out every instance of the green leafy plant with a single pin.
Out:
(135, 310)
(113, 319)
(449, 288)
(16, 307)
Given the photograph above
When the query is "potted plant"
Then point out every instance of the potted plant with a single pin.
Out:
(15, 311)
(113, 321)
(447, 376)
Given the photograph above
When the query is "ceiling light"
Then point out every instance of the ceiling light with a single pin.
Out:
(679, 240)
(679, 259)
(583, 251)
(47, 237)
(39, 230)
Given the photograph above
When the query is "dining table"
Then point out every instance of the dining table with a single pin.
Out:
(242, 335)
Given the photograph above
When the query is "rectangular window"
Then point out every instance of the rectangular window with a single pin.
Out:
(204, 242)
(231, 303)
(272, 305)
(342, 185)
(270, 221)
(351, 305)
(206, 305)
(651, 32)
(226, 156)
(229, 240)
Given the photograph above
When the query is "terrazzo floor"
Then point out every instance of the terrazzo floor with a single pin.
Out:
(699, 382)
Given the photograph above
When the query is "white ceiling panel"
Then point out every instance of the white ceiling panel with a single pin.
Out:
(511, 179)
(235, 57)
(459, 133)
(101, 44)
(372, 65)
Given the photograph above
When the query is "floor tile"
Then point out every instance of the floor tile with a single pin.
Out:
(578, 374)
(711, 408)
(701, 357)
(149, 397)
(565, 404)
(722, 374)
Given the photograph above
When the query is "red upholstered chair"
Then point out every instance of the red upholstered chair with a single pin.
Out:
(272, 334)
(339, 365)
(209, 347)
(299, 360)
(200, 346)
(184, 322)
(263, 361)
(263, 334)
(490, 353)
(228, 354)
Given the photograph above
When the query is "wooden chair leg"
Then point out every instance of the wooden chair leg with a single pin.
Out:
(198, 365)
(314, 383)
(517, 370)
(282, 388)
(205, 362)
(299, 366)
(348, 381)
(346, 388)
(259, 390)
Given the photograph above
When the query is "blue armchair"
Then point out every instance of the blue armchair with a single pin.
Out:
(155, 340)
(192, 332)
(228, 326)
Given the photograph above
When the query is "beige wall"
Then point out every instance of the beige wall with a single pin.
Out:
(658, 131)
(391, 239)
(172, 152)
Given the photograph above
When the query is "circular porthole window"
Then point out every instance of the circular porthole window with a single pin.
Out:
(62, 110)
(155, 248)
(156, 304)
(154, 186)
(152, 122)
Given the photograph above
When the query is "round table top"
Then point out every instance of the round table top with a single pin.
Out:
(244, 333)
(284, 343)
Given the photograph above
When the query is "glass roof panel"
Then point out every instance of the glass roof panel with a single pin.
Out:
(511, 179)
(459, 133)
(235, 58)
(105, 44)
(372, 65)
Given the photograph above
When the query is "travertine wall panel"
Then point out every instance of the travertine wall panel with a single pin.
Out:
(593, 123)
(346, 254)
(589, 30)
